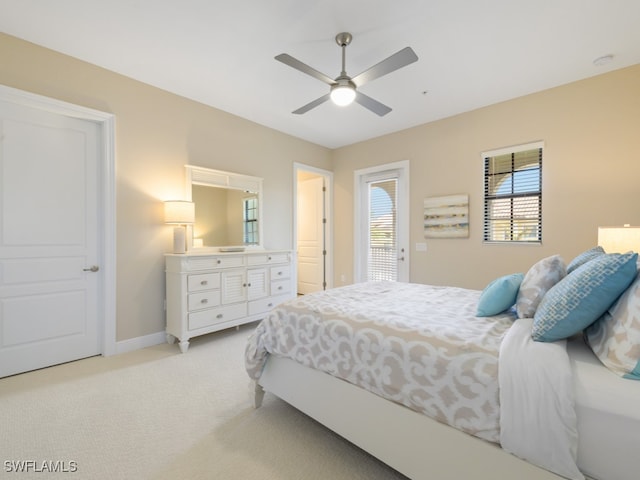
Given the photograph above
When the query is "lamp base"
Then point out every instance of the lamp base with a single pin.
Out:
(179, 240)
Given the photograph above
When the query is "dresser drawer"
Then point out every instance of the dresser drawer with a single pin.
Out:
(267, 258)
(265, 305)
(212, 316)
(219, 261)
(201, 300)
(203, 281)
(279, 287)
(277, 273)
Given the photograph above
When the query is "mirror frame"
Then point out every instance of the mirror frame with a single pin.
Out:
(229, 180)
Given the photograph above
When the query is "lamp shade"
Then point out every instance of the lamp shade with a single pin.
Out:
(619, 239)
(179, 212)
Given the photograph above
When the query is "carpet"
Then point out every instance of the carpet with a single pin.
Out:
(158, 414)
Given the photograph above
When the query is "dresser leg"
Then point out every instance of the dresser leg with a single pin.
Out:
(184, 346)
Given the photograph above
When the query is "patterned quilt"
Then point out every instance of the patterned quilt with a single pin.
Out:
(418, 345)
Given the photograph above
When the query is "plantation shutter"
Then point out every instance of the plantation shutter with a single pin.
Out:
(513, 196)
(383, 241)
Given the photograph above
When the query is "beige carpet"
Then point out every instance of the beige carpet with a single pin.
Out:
(159, 414)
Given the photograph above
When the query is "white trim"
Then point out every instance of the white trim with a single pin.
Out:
(513, 149)
(328, 176)
(403, 219)
(137, 343)
(107, 248)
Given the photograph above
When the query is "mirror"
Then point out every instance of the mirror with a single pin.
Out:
(227, 209)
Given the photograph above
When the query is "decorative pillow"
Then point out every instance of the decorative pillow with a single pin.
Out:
(615, 338)
(580, 298)
(499, 295)
(538, 280)
(584, 257)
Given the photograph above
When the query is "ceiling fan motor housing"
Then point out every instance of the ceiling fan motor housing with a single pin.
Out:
(343, 39)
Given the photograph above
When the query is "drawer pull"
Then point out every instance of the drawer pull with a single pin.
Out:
(219, 261)
(269, 259)
(204, 282)
(270, 305)
(219, 315)
(204, 300)
(280, 272)
(280, 287)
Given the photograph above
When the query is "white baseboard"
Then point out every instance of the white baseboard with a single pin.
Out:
(140, 342)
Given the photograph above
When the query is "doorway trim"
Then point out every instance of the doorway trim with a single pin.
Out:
(106, 198)
(328, 177)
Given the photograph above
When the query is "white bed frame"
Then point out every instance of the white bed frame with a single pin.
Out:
(411, 443)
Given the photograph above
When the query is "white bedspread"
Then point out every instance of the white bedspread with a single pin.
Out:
(537, 409)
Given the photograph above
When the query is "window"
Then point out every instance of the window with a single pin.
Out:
(383, 245)
(513, 194)
(250, 220)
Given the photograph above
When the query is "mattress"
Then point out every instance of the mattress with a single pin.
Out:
(608, 413)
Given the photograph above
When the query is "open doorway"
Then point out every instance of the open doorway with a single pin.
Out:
(312, 230)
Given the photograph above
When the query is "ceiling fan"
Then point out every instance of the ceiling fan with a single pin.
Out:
(343, 89)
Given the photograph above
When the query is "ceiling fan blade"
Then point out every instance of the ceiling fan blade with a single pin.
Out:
(371, 104)
(310, 105)
(304, 68)
(390, 64)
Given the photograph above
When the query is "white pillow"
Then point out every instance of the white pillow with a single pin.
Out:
(538, 280)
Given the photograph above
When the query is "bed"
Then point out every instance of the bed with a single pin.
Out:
(409, 373)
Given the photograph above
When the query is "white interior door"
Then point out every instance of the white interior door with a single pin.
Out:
(311, 235)
(49, 265)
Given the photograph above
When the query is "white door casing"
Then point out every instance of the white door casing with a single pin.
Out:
(54, 214)
(301, 172)
(362, 179)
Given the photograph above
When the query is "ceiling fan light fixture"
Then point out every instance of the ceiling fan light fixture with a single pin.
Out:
(343, 94)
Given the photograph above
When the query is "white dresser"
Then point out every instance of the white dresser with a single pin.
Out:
(214, 291)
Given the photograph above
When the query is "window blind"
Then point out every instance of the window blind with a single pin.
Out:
(513, 196)
(383, 262)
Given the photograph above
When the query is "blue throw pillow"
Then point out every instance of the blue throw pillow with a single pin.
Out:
(580, 298)
(499, 295)
(584, 257)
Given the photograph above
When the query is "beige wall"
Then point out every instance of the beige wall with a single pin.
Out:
(590, 172)
(591, 175)
(157, 133)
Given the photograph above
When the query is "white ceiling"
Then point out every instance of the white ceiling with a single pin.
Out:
(471, 53)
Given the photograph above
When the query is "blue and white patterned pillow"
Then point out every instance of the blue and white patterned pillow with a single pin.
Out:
(584, 257)
(582, 297)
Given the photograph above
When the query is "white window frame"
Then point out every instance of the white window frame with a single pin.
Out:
(505, 151)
